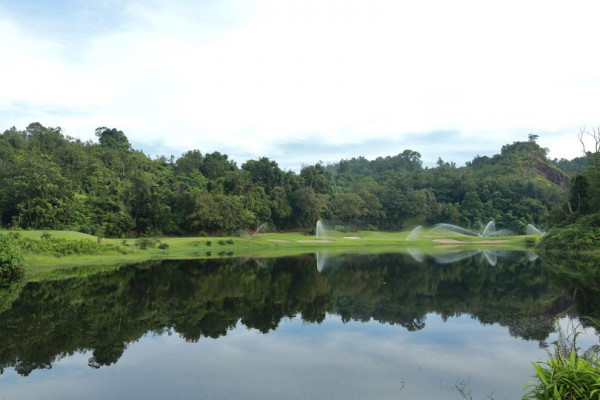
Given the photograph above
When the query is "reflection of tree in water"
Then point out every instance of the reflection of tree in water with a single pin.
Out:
(197, 299)
(579, 275)
(106, 354)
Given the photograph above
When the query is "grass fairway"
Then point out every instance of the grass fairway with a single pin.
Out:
(44, 266)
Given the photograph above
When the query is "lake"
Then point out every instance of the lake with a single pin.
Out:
(459, 325)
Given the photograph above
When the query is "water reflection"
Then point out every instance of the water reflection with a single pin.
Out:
(105, 314)
(490, 256)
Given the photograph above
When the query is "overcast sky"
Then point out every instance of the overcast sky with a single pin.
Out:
(303, 81)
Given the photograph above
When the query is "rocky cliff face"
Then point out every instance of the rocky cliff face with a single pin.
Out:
(551, 173)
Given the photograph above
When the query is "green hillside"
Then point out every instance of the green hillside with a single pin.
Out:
(108, 189)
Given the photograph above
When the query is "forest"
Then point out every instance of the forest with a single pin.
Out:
(106, 188)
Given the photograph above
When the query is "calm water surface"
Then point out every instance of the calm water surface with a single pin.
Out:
(389, 326)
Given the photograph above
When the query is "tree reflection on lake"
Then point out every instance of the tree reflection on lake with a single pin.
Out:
(350, 308)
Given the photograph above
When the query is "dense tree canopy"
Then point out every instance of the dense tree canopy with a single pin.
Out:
(52, 181)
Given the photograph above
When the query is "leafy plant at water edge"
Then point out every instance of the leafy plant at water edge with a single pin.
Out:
(566, 378)
(566, 374)
(12, 262)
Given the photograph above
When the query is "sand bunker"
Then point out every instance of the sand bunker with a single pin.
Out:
(448, 246)
(352, 237)
(279, 240)
(448, 241)
(315, 241)
(493, 241)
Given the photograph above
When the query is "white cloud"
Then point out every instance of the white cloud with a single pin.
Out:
(332, 72)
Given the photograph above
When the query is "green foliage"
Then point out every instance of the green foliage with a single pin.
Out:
(566, 378)
(530, 242)
(59, 247)
(49, 181)
(574, 166)
(573, 237)
(12, 262)
(567, 374)
(163, 246)
(112, 138)
(145, 243)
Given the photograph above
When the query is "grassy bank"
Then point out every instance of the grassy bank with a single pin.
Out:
(42, 264)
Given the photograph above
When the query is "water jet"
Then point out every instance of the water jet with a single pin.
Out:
(320, 229)
(416, 233)
(532, 230)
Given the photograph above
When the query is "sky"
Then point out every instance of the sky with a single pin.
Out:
(305, 81)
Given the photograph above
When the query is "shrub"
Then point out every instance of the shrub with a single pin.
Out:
(12, 262)
(230, 241)
(144, 243)
(63, 247)
(163, 246)
(46, 236)
(571, 237)
(222, 242)
(208, 243)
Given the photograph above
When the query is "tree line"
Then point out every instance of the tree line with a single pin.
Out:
(577, 218)
(107, 188)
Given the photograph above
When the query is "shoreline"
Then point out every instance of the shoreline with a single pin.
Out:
(42, 264)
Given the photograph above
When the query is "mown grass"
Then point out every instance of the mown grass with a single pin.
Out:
(43, 266)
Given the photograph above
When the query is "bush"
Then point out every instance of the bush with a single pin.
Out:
(12, 263)
(163, 246)
(230, 241)
(144, 243)
(64, 247)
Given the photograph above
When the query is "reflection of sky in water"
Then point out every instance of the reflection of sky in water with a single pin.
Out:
(302, 361)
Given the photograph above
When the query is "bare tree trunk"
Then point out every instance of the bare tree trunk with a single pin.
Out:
(595, 135)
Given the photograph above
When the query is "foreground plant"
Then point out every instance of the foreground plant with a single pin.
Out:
(567, 374)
